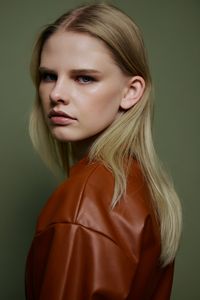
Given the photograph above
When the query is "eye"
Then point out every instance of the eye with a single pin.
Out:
(48, 77)
(85, 79)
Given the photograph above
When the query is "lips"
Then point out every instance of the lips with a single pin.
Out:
(60, 118)
(54, 113)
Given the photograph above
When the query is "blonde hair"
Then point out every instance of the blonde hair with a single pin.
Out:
(129, 136)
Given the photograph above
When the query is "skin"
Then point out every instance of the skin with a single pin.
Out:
(80, 78)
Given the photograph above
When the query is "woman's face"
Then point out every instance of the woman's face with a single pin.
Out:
(81, 87)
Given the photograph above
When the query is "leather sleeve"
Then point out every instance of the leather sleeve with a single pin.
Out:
(69, 261)
(84, 251)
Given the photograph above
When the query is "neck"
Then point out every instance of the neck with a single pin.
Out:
(81, 148)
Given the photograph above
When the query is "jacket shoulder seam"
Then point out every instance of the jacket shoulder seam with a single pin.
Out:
(83, 190)
(100, 233)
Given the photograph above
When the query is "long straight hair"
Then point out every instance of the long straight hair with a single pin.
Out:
(130, 135)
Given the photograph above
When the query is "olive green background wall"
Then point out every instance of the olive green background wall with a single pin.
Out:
(171, 31)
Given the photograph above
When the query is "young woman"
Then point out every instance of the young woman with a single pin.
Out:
(112, 229)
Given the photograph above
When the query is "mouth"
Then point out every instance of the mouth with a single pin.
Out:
(60, 118)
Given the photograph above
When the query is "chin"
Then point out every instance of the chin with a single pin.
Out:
(62, 136)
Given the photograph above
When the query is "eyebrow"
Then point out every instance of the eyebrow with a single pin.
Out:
(73, 71)
(83, 71)
(44, 69)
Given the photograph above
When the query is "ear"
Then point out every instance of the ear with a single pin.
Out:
(134, 91)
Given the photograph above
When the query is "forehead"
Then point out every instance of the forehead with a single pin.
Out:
(76, 47)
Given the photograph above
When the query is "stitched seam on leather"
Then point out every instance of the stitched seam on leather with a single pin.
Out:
(89, 229)
(83, 190)
(98, 165)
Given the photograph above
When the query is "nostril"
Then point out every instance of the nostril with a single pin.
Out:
(55, 97)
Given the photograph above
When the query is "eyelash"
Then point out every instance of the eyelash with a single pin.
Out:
(49, 77)
(90, 79)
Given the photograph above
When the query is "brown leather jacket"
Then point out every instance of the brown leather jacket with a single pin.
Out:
(83, 250)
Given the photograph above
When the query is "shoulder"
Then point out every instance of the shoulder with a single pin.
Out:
(85, 199)
(65, 201)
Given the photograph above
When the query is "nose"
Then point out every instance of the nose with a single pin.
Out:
(59, 93)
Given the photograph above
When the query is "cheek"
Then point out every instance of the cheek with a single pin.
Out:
(101, 111)
(43, 95)
(40, 90)
(108, 101)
